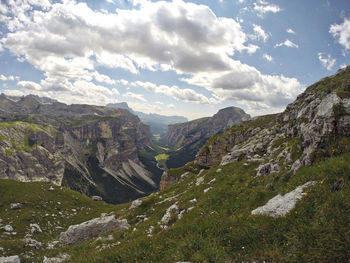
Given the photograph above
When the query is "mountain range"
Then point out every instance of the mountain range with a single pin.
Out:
(158, 123)
(271, 188)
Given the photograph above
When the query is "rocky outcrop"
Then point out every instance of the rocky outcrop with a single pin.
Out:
(304, 132)
(88, 148)
(166, 181)
(281, 205)
(182, 134)
(92, 228)
(190, 136)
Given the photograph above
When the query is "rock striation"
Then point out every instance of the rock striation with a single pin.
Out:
(87, 148)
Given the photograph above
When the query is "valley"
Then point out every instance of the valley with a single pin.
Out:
(269, 189)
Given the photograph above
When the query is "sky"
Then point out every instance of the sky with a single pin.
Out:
(177, 57)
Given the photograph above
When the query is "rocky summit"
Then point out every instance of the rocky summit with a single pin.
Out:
(188, 137)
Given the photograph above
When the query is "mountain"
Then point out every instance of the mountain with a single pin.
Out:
(271, 189)
(91, 149)
(158, 123)
(187, 138)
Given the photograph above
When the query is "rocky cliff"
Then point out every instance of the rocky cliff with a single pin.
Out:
(187, 138)
(90, 149)
(315, 126)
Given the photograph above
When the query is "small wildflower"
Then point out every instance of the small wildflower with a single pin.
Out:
(321, 182)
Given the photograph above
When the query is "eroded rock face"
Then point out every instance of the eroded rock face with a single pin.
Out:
(166, 181)
(291, 139)
(281, 205)
(190, 136)
(81, 145)
(93, 228)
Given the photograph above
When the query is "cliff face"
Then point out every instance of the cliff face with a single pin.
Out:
(90, 149)
(315, 126)
(189, 137)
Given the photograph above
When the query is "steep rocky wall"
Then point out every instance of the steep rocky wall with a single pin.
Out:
(94, 155)
(315, 126)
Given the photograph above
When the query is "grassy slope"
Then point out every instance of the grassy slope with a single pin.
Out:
(219, 229)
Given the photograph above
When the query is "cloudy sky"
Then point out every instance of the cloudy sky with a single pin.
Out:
(175, 57)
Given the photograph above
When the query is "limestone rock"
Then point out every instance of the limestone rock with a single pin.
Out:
(35, 228)
(166, 218)
(12, 259)
(60, 259)
(8, 228)
(136, 203)
(15, 206)
(30, 242)
(96, 198)
(93, 228)
(281, 205)
(166, 181)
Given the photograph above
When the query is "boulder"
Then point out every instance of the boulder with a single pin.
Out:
(60, 259)
(136, 203)
(97, 198)
(15, 206)
(35, 228)
(92, 228)
(281, 205)
(30, 242)
(12, 259)
(8, 228)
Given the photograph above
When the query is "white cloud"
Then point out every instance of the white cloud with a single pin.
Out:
(287, 43)
(110, 1)
(268, 57)
(171, 106)
(343, 66)
(259, 33)
(262, 7)
(29, 85)
(3, 78)
(8, 78)
(79, 91)
(69, 42)
(134, 96)
(327, 62)
(341, 32)
(290, 31)
(248, 86)
(187, 95)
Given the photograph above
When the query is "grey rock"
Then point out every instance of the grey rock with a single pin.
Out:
(93, 228)
(282, 205)
(136, 203)
(30, 242)
(184, 176)
(96, 198)
(11, 259)
(35, 228)
(60, 259)
(166, 217)
(15, 206)
(8, 228)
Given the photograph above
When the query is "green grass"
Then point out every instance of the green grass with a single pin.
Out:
(220, 228)
(339, 84)
(161, 156)
(43, 207)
